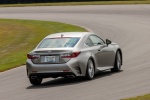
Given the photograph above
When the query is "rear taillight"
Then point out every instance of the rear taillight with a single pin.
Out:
(70, 55)
(30, 56)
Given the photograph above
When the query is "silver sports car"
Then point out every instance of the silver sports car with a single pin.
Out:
(72, 54)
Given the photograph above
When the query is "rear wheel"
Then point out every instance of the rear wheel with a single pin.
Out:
(35, 81)
(117, 65)
(90, 70)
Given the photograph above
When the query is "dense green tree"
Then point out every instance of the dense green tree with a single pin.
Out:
(44, 1)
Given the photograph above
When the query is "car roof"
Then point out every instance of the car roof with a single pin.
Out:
(68, 34)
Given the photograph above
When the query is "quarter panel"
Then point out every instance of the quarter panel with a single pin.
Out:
(87, 53)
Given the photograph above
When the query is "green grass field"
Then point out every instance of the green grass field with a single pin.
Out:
(80, 3)
(145, 97)
(18, 37)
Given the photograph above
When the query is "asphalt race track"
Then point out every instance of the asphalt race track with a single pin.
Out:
(127, 25)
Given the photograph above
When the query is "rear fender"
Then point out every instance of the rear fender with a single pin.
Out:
(84, 58)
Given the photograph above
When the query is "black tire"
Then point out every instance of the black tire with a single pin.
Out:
(90, 70)
(117, 64)
(35, 81)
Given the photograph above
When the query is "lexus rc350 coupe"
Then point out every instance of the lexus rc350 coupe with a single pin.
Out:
(72, 54)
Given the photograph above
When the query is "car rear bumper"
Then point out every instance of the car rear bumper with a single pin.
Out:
(53, 70)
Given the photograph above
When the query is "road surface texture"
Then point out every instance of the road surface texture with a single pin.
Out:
(127, 25)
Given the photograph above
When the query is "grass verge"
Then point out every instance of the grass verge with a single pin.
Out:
(145, 97)
(18, 37)
(79, 3)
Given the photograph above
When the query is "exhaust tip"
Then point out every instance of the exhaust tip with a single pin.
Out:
(33, 77)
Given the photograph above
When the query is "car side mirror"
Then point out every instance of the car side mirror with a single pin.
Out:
(108, 41)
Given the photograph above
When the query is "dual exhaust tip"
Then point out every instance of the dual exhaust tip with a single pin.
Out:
(67, 76)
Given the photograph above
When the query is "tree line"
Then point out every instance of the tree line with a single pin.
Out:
(45, 1)
(37, 1)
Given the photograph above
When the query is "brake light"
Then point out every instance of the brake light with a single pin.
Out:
(32, 56)
(70, 55)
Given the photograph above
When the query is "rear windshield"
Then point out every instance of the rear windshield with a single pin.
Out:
(59, 42)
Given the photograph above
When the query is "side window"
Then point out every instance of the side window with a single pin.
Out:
(89, 42)
(96, 40)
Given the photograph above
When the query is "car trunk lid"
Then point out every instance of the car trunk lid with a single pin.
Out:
(51, 56)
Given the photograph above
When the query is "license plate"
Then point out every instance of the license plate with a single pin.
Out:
(50, 59)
